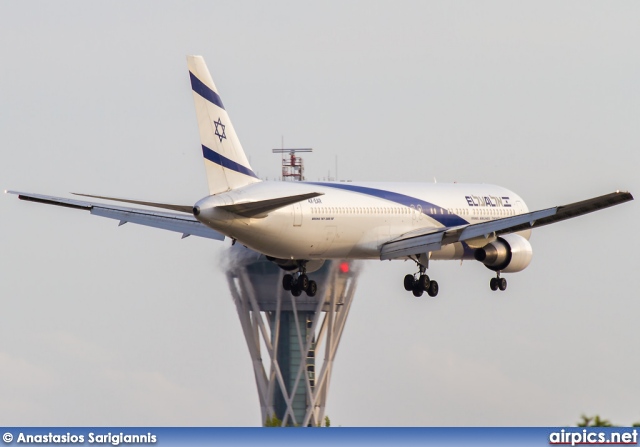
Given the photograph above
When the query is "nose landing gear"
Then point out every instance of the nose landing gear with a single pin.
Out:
(498, 283)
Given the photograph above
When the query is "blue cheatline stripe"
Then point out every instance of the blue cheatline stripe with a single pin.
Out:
(441, 215)
(201, 89)
(223, 161)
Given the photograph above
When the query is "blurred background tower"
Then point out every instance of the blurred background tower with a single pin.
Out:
(292, 341)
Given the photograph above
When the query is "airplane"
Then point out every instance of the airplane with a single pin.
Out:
(299, 225)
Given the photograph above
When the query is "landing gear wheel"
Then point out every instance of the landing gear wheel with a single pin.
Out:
(420, 282)
(409, 280)
(502, 284)
(424, 282)
(312, 289)
(303, 282)
(287, 282)
(494, 284)
(433, 288)
(296, 290)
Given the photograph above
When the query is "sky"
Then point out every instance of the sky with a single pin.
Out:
(101, 325)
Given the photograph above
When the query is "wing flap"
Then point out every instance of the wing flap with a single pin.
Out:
(164, 221)
(415, 243)
(412, 246)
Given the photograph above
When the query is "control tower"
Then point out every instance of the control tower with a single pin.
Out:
(292, 341)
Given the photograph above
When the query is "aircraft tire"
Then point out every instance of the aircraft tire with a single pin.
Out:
(502, 284)
(312, 289)
(287, 281)
(409, 280)
(493, 284)
(417, 290)
(433, 289)
(424, 282)
(303, 282)
(296, 290)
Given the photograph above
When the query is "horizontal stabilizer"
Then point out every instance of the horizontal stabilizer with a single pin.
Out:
(261, 208)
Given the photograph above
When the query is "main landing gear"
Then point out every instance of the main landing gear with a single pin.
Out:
(299, 282)
(419, 282)
(498, 283)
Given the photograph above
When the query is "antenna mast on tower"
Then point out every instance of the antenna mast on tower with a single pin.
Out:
(292, 166)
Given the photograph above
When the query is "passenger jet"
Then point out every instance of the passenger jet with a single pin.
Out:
(298, 225)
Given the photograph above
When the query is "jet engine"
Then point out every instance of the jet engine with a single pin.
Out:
(508, 254)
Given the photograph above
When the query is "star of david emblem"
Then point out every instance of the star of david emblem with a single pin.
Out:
(220, 126)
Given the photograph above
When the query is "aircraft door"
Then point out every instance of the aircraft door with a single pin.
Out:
(297, 214)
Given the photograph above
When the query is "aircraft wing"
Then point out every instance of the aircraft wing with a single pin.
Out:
(180, 223)
(181, 208)
(425, 241)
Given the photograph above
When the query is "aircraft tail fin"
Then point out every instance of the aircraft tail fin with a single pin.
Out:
(225, 162)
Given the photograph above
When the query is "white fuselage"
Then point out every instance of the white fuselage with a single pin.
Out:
(353, 220)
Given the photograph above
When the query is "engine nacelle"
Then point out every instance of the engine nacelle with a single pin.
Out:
(292, 264)
(509, 254)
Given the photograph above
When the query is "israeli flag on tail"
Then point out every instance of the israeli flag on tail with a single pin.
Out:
(226, 164)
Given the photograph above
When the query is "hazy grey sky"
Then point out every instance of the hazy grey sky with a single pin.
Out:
(101, 325)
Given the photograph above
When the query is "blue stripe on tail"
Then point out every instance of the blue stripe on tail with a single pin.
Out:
(201, 89)
(223, 161)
